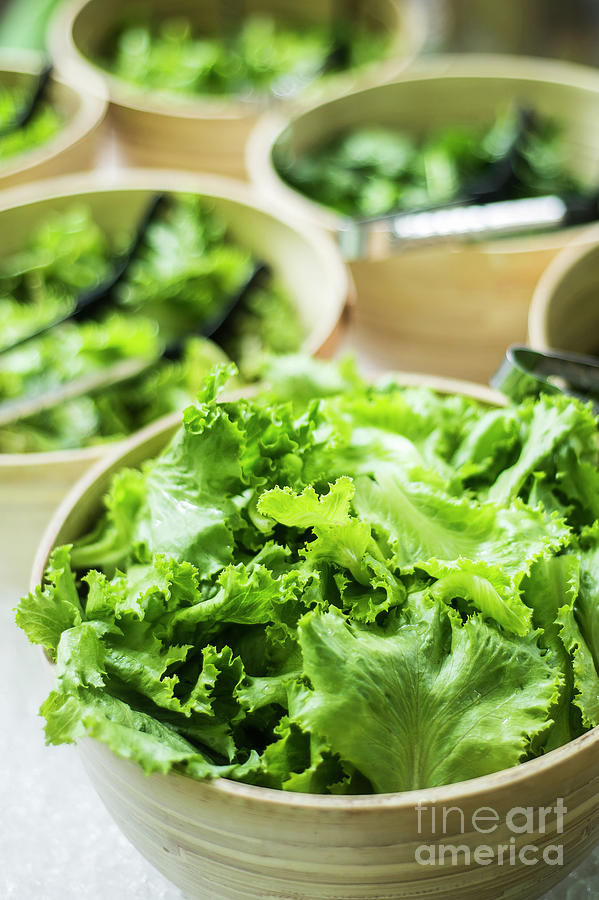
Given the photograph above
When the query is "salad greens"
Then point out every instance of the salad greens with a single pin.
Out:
(44, 124)
(336, 588)
(186, 270)
(375, 170)
(259, 57)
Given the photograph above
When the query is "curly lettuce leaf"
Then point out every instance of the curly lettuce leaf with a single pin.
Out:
(54, 607)
(431, 703)
(580, 630)
(550, 591)
(318, 594)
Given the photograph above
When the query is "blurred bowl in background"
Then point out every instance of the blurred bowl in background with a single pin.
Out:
(75, 145)
(449, 309)
(203, 132)
(304, 260)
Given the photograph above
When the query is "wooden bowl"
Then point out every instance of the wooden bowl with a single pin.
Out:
(447, 309)
(204, 133)
(73, 148)
(564, 313)
(306, 261)
(230, 841)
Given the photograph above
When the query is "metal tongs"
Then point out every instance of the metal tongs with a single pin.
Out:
(25, 114)
(386, 235)
(126, 369)
(89, 302)
(482, 212)
(338, 56)
(526, 372)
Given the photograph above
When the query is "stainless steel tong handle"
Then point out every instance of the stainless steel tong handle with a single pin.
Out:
(384, 236)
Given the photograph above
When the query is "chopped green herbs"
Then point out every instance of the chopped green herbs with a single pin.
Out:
(336, 588)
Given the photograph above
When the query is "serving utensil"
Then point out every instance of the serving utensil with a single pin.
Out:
(27, 111)
(525, 371)
(90, 301)
(339, 55)
(382, 236)
(483, 210)
(500, 175)
(126, 369)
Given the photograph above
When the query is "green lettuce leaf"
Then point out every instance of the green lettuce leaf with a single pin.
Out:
(415, 707)
(353, 588)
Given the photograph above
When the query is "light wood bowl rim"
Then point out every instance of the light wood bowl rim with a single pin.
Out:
(133, 179)
(471, 66)
(452, 793)
(410, 18)
(574, 254)
(89, 115)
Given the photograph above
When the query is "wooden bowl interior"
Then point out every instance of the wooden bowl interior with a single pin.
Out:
(565, 310)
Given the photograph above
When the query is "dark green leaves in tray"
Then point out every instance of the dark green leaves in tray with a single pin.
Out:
(375, 589)
(375, 170)
(187, 269)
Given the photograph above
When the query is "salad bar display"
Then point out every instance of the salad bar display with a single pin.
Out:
(297, 602)
(188, 81)
(450, 190)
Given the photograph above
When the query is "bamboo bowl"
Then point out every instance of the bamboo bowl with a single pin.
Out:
(203, 133)
(31, 484)
(564, 313)
(447, 309)
(74, 147)
(229, 841)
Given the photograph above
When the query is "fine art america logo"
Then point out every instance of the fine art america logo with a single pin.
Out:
(438, 823)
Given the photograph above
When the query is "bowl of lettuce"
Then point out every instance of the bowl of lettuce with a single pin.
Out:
(449, 309)
(281, 628)
(62, 240)
(62, 134)
(188, 80)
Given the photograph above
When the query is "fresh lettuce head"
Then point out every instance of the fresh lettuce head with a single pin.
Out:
(335, 588)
